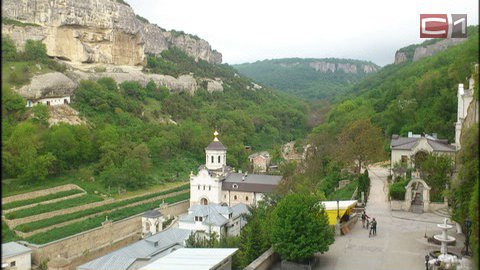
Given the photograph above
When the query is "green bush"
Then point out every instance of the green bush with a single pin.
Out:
(49, 207)
(35, 225)
(9, 51)
(93, 222)
(396, 191)
(52, 196)
(35, 50)
(17, 78)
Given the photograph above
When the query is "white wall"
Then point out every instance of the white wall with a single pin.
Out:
(22, 262)
(53, 101)
(215, 154)
(212, 191)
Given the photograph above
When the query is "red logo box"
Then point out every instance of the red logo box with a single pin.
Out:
(434, 26)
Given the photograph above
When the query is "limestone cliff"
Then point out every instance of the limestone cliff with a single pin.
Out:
(96, 31)
(417, 52)
(323, 66)
(424, 51)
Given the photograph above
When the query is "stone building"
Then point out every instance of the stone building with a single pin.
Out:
(412, 149)
(140, 253)
(217, 183)
(16, 256)
(49, 101)
(223, 220)
(152, 222)
(260, 162)
(467, 107)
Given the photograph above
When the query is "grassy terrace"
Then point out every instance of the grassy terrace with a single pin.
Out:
(8, 235)
(345, 193)
(52, 196)
(49, 207)
(35, 225)
(93, 222)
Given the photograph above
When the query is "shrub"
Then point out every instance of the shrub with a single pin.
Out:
(35, 50)
(17, 78)
(100, 69)
(9, 51)
(396, 191)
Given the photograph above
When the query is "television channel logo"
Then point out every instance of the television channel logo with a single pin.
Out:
(443, 25)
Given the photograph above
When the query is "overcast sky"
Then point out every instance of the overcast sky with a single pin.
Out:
(251, 30)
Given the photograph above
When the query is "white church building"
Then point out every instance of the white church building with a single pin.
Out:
(217, 183)
(466, 104)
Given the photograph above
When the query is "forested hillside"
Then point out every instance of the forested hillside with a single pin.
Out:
(413, 96)
(136, 136)
(308, 78)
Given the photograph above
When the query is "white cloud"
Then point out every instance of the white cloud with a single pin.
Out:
(249, 30)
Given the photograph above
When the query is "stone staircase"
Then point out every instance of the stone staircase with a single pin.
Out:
(443, 212)
(417, 208)
(417, 204)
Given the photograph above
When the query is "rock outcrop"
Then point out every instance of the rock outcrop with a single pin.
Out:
(48, 85)
(184, 83)
(400, 57)
(417, 52)
(96, 31)
(323, 66)
(64, 114)
(424, 51)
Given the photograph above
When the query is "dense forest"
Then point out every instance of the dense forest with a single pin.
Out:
(135, 135)
(297, 76)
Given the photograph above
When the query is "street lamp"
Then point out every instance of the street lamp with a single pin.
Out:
(338, 208)
(468, 223)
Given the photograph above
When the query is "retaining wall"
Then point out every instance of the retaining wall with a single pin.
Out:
(45, 202)
(39, 193)
(89, 242)
(15, 222)
(264, 261)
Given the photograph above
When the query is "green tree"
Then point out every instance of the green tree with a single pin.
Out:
(254, 237)
(437, 170)
(40, 114)
(299, 228)
(359, 144)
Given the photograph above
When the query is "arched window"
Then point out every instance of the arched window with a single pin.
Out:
(147, 226)
(218, 159)
(209, 187)
(235, 197)
(203, 187)
(212, 159)
(198, 187)
(246, 198)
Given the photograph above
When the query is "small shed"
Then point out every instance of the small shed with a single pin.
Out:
(152, 222)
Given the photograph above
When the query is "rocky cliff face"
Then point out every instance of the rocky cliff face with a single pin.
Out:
(430, 50)
(417, 52)
(96, 31)
(324, 67)
(400, 57)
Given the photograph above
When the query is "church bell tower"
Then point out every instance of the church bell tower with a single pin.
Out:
(215, 154)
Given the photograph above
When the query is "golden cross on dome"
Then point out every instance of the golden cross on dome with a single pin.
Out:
(215, 134)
